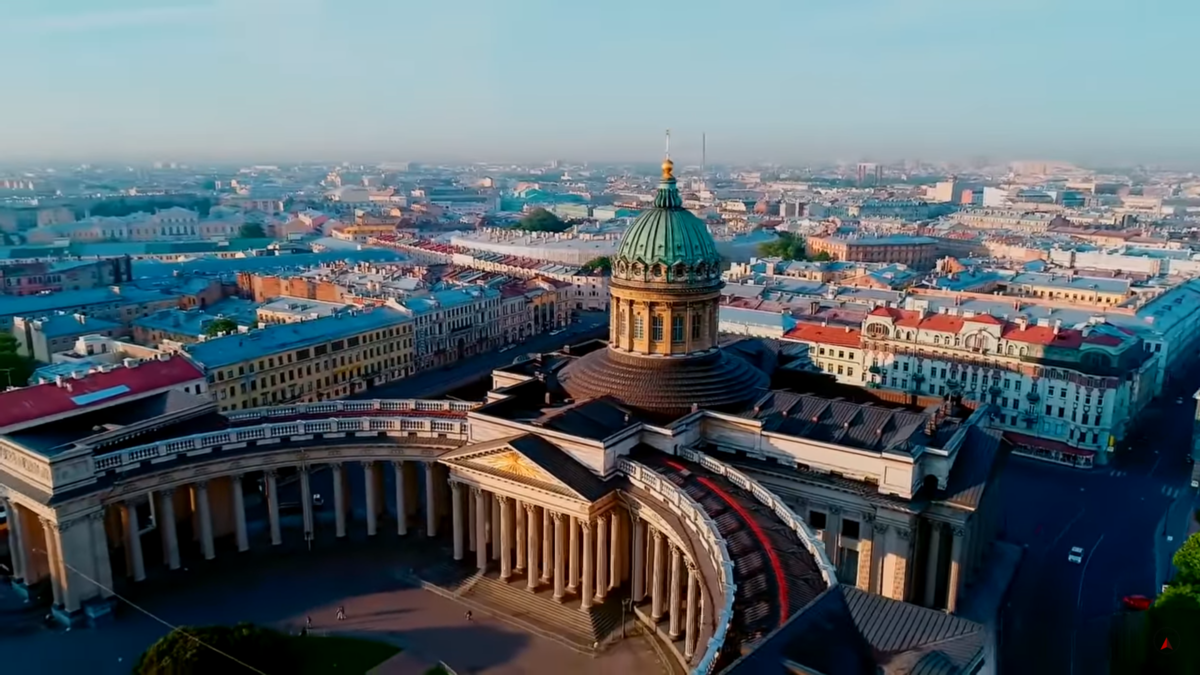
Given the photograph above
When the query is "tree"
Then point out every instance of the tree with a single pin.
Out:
(220, 325)
(207, 649)
(601, 264)
(1187, 561)
(823, 256)
(252, 231)
(15, 369)
(787, 246)
(541, 220)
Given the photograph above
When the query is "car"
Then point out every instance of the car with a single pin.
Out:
(318, 500)
(1076, 555)
(557, 332)
(1137, 603)
(504, 349)
(1179, 401)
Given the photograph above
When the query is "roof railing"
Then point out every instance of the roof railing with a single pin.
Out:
(698, 520)
(344, 406)
(421, 427)
(767, 498)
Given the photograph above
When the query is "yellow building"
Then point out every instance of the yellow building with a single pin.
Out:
(308, 361)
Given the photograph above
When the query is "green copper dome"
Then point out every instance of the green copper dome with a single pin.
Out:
(667, 243)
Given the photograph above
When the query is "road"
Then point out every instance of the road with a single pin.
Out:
(1058, 617)
(436, 383)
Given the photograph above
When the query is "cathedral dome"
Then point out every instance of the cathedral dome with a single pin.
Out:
(667, 243)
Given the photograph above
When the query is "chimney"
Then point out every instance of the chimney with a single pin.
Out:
(58, 380)
(931, 425)
(1057, 325)
(130, 363)
(549, 398)
(695, 407)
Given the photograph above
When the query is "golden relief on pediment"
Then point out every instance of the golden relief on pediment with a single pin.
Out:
(514, 464)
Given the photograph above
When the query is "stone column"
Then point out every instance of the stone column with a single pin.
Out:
(533, 541)
(879, 547)
(589, 562)
(506, 536)
(614, 553)
(573, 555)
(547, 546)
(658, 577)
(638, 570)
(401, 499)
(560, 554)
(166, 519)
(676, 600)
(431, 515)
(272, 480)
(833, 532)
(601, 557)
(239, 514)
(306, 503)
(372, 499)
(206, 528)
(53, 559)
(693, 599)
(101, 563)
(520, 542)
(472, 525)
(15, 543)
(956, 554)
(932, 571)
(457, 517)
(339, 498)
(481, 520)
(133, 540)
(494, 509)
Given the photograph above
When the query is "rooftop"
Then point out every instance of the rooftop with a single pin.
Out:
(233, 349)
(34, 305)
(62, 324)
(20, 407)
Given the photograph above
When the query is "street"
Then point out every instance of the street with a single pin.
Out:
(1058, 614)
(436, 383)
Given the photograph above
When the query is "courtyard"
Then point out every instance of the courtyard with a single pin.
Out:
(281, 591)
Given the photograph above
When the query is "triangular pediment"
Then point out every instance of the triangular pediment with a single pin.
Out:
(528, 459)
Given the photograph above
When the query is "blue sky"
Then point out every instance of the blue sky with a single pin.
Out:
(786, 80)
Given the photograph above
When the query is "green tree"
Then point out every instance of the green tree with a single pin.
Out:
(1187, 561)
(823, 256)
(252, 231)
(787, 246)
(541, 220)
(9, 344)
(207, 649)
(601, 264)
(220, 325)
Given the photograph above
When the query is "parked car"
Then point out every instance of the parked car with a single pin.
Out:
(1076, 555)
(1137, 603)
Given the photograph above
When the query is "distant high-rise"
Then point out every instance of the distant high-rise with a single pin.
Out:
(870, 174)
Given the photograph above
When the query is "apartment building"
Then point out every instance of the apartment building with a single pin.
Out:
(449, 325)
(121, 304)
(32, 278)
(314, 360)
(45, 336)
(835, 350)
(917, 252)
(1072, 287)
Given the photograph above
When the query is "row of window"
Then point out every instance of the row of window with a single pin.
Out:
(656, 327)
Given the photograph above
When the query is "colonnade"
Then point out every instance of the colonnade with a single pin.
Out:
(199, 496)
(583, 555)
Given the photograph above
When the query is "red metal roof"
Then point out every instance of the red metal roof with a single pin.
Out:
(828, 335)
(44, 400)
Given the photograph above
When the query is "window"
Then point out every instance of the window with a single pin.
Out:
(621, 319)
(677, 328)
(847, 567)
(656, 328)
(1061, 411)
(816, 520)
(695, 326)
(849, 372)
(850, 528)
(1049, 409)
(639, 327)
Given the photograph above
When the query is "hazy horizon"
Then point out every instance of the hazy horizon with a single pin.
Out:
(193, 81)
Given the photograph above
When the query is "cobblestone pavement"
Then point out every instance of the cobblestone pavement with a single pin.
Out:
(281, 591)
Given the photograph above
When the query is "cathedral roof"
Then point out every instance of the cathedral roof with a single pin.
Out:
(667, 235)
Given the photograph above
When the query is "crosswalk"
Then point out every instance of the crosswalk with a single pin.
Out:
(1118, 473)
(1172, 492)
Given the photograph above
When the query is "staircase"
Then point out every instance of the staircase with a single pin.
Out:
(563, 622)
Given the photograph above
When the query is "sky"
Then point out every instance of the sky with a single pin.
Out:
(1091, 81)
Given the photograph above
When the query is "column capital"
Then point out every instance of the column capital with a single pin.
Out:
(903, 533)
(868, 517)
(476, 491)
(271, 473)
(556, 516)
(237, 476)
(49, 524)
(881, 528)
(167, 492)
(456, 486)
(936, 526)
(691, 565)
(398, 462)
(503, 499)
(958, 531)
(585, 524)
(368, 463)
(96, 515)
(834, 509)
(530, 509)
(657, 534)
(201, 484)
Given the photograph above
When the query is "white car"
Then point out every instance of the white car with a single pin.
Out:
(1076, 555)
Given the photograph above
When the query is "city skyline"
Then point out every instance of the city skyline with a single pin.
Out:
(189, 80)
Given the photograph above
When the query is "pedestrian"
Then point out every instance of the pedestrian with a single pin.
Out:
(308, 622)
(469, 615)
(341, 615)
